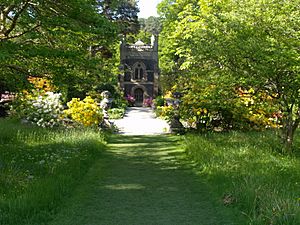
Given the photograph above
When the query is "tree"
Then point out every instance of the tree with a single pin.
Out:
(147, 28)
(151, 25)
(243, 43)
(122, 12)
(52, 39)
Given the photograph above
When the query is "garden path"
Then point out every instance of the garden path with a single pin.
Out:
(144, 180)
(141, 121)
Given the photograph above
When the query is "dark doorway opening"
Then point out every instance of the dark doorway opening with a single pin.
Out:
(139, 96)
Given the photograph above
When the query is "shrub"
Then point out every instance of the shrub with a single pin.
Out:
(41, 108)
(229, 108)
(116, 113)
(86, 112)
(130, 99)
(159, 101)
(148, 102)
(165, 112)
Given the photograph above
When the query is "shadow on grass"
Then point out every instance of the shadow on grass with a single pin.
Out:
(141, 180)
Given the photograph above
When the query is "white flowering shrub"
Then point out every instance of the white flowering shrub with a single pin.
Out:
(43, 110)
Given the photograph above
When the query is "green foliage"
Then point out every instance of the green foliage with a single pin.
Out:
(40, 168)
(116, 113)
(237, 43)
(159, 101)
(72, 43)
(165, 112)
(151, 25)
(246, 172)
(126, 15)
(224, 107)
(116, 94)
(148, 27)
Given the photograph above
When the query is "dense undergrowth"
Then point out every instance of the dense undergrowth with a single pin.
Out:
(40, 167)
(247, 172)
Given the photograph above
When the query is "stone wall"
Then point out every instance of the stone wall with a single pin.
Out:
(147, 56)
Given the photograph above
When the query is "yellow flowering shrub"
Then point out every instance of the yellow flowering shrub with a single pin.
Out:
(211, 106)
(40, 83)
(85, 112)
(165, 112)
(261, 109)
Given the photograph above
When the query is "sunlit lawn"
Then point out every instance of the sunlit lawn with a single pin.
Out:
(247, 171)
(40, 167)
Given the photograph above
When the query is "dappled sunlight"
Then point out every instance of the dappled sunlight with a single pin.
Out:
(143, 180)
(121, 187)
(163, 151)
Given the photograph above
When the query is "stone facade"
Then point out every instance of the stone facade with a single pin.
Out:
(139, 63)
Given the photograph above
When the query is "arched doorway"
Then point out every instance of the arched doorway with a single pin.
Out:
(139, 96)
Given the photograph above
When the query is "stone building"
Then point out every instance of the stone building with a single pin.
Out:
(140, 76)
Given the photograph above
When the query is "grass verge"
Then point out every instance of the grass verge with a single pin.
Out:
(247, 172)
(40, 167)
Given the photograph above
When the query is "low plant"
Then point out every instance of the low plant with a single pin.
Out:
(165, 112)
(159, 101)
(130, 100)
(148, 102)
(116, 113)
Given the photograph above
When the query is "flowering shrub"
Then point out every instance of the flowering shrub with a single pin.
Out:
(130, 99)
(85, 112)
(216, 107)
(260, 109)
(148, 102)
(40, 83)
(165, 112)
(43, 110)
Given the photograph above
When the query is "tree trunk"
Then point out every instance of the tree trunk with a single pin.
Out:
(289, 127)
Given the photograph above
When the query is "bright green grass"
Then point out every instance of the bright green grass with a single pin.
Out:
(39, 168)
(143, 180)
(247, 172)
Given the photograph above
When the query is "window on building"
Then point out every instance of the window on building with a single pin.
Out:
(139, 71)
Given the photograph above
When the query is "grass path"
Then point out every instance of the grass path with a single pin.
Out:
(141, 180)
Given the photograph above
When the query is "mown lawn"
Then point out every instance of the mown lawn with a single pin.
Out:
(143, 180)
(247, 171)
(39, 168)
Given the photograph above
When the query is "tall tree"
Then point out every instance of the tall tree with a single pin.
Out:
(122, 12)
(151, 25)
(53, 38)
(245, 43)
